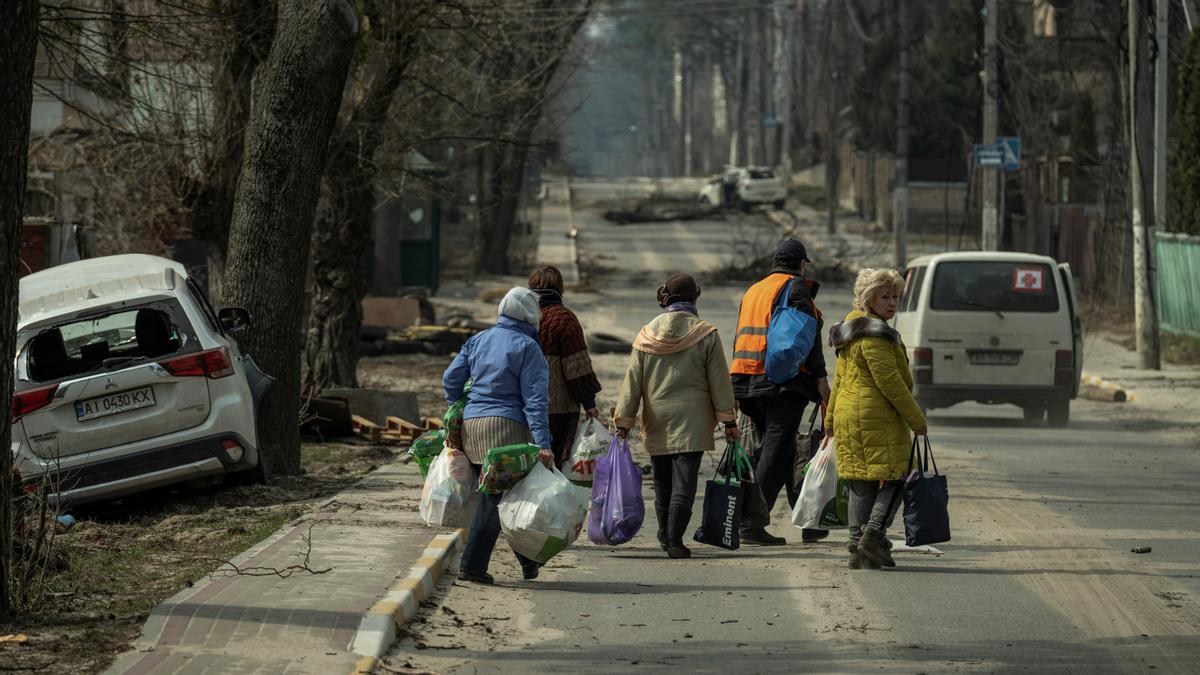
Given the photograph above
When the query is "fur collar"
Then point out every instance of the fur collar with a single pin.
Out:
(863, 325)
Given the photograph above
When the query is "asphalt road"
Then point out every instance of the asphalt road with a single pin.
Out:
(1039, 575)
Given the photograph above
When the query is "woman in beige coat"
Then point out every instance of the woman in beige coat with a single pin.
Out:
(679, 378)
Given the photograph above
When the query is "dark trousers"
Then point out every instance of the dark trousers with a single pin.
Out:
(485, 529)
(563, 428)
(777, 419)
(675, 480)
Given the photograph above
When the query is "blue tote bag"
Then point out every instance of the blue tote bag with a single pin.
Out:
(926, 514)
(790, 337)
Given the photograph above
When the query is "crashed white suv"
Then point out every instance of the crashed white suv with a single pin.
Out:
(126, 379)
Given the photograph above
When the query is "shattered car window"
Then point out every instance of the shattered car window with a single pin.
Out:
(71, 346)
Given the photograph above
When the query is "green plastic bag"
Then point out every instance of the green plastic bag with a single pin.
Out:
(426, 449)
(452, 421)
(835, 512)
(504, 466)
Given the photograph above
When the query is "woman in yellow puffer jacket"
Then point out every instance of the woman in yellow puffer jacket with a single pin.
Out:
(872, 414)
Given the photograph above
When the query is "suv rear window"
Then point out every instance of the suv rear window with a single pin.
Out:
(100, 342)
(990, 286)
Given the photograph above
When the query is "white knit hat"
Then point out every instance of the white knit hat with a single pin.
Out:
(521, 304)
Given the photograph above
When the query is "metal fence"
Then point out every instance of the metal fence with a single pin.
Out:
(1178, 283)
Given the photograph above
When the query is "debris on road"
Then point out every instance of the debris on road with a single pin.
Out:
(1140, 549)
(660, 209)
(606, 343)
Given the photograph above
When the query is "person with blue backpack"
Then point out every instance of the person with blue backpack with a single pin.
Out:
(778, 368)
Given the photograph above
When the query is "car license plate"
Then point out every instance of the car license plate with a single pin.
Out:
(994, 358)
(112, 404)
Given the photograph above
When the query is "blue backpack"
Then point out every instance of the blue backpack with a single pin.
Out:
(790, 337)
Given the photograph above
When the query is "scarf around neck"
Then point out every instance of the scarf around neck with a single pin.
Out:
(689, 307)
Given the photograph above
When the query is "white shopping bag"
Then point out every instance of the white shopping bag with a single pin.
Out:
(542, 514)
(591, 441)
(820, 485)
(448, 489)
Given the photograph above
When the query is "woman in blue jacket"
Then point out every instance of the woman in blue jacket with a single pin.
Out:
(508, 404)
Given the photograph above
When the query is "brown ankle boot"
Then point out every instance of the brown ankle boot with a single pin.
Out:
(873, 547)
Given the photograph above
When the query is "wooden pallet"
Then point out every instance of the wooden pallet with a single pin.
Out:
(366, 428)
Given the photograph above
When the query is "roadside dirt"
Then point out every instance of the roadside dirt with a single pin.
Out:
(124, 557)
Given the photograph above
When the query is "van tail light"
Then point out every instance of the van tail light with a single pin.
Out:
(1064, 367)
(27, 402)
(213, 364)
(923, 365)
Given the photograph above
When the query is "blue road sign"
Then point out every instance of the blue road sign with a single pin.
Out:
(1011, 146)
(988, 155)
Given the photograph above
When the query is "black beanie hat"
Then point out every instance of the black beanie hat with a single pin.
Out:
(680, 287)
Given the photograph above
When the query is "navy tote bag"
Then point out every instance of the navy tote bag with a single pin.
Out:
(926, 515)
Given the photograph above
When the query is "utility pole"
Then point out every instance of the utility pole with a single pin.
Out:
(900, 195)
(832, 167)
(787, 116)
(1145, 315)
(991, 90)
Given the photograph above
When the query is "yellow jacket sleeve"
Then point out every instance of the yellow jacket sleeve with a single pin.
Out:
(885, 370)
(833, 394)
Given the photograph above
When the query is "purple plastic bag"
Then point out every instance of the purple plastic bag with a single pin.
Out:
(617, 507)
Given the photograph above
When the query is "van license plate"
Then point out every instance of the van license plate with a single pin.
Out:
(994, 358)
(113, 404)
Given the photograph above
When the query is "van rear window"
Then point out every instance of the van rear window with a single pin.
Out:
(994, 286)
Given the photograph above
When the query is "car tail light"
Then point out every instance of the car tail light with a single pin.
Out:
(213, 363)
(27, 402)
(922, 356)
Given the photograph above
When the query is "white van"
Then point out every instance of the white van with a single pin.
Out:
(993, 328)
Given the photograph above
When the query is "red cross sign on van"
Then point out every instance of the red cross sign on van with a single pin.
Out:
(1029, 279)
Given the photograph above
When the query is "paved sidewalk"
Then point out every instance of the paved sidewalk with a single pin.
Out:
(1172, 390)
(368, 537)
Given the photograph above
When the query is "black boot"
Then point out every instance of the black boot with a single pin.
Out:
(663, 519)
(679, 521)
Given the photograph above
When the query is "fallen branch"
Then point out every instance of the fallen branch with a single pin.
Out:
(259, 571)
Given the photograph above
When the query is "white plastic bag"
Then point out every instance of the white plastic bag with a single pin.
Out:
(448, 489)
(820, 485)
(591, 441)
(542, 514)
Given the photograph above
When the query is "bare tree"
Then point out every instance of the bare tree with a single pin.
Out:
(18, 51)
(344, 225)
(534, 42)
(298, 91)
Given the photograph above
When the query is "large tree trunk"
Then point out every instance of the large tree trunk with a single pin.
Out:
(18, 50)
(249, 31)
(297, 95)
(344, 231)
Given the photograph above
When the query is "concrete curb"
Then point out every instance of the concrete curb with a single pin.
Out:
(377, 629)
(1103, 390)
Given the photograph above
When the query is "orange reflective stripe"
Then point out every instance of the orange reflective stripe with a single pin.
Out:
(754, 317)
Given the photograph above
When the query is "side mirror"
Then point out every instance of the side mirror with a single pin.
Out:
(234, 319)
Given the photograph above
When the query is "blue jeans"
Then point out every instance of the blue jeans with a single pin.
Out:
(481, 540)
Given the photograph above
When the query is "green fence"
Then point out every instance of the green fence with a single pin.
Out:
(1179, 283)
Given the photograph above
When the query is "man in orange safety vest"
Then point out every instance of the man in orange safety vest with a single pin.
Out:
(776, 409)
